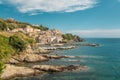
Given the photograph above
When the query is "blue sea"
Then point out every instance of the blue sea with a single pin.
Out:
(103, 62)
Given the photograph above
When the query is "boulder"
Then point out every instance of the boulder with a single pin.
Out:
(55, 56)
(12, 71)
(34, 58)
(48, 68)
(26, 57)
(12, 61)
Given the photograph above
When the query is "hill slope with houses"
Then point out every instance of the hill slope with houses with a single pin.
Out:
(39, 33)
(15, 36)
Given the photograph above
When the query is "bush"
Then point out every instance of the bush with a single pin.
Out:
(17, 43)
(42, 28)
(5, 48)
(68, 36)
(71, 37)
(3, 26)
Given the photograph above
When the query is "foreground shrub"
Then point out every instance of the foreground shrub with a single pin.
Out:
(17, 43)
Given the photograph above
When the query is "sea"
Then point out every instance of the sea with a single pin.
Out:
(103, 62)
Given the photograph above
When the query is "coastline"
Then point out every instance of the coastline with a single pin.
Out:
(30, 56)
(40, 54)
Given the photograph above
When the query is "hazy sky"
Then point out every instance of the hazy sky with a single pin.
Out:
(87, 18)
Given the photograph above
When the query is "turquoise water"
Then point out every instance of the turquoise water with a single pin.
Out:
(103, 62)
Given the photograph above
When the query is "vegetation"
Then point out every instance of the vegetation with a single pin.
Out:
(70, 37)
(5, 51)
(11, 43)
(17, 43)
(10, 24)
(3, 26)
(2, 66)
(42, 28)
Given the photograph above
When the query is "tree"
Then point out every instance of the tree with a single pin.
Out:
(68, 36)
(71, 37)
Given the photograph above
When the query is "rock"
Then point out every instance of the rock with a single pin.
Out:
(13, 61)
(51, 68)
(34, 58)
(75, 68)
(41, 51)
(35, 49)
(12, 71)
(25, 57)
(48, 68)
(55, 56)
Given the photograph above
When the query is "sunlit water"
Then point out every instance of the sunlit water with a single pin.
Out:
(103, 62)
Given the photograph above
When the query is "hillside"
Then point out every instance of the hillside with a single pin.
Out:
(15, 36)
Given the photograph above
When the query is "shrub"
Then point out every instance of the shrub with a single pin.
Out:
(5, 48)
(17, 43)
(42, 28)
(67, 36)
(3, 26)
(71, 37)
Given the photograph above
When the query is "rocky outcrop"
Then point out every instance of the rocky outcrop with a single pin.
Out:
(30, 58)
(13, 61)
(27, 58)
(12, 71)
(55, 56)
(34, 58)
(36, 49)
(40, 50)
(51, 68)
(48, 68)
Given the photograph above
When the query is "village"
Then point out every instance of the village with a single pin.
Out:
(42, 37)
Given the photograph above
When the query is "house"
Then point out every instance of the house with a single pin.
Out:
(17, 30)
(50, 37)
(28, 29)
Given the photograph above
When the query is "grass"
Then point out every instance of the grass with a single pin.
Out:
(5, 49)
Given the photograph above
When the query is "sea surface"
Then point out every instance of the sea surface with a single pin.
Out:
(103, 62)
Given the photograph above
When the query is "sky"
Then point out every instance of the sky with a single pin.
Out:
(86, 18)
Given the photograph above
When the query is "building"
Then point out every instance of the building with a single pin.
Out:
(28, 29)
(50, 37)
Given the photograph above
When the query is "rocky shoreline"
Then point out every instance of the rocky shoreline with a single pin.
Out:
(13, 69)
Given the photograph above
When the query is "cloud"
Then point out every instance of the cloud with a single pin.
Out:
(34, 14)
(97, 33)
(33, 6)
(0, 2)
